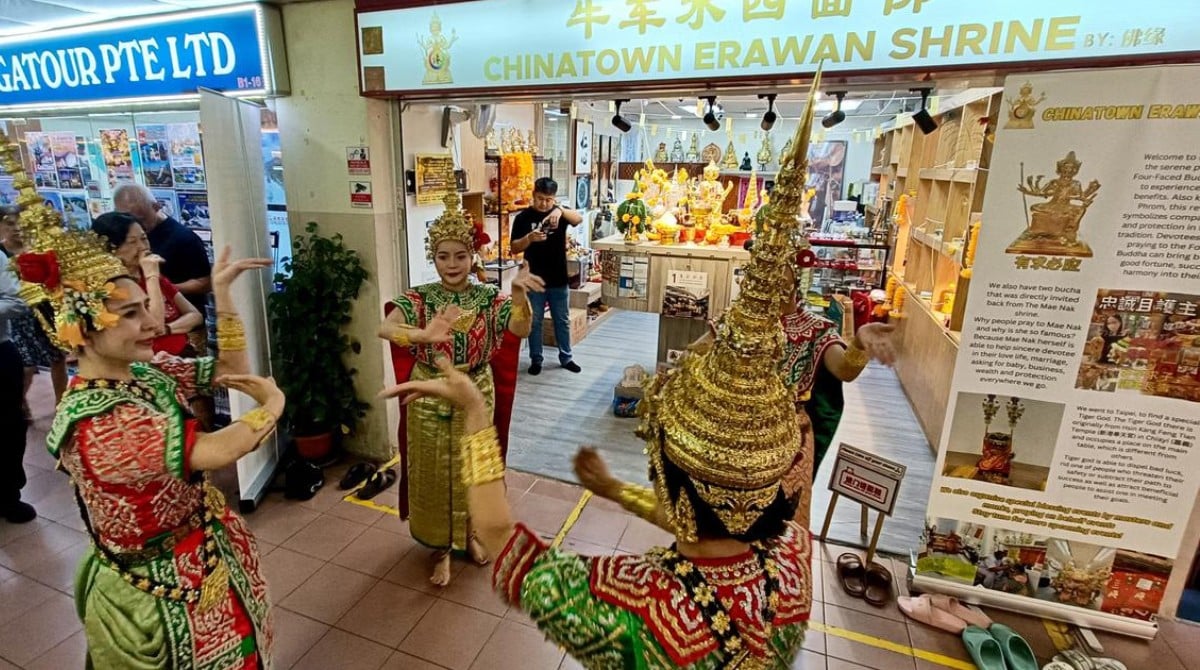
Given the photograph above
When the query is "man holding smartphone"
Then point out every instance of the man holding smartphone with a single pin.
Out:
(539, 233)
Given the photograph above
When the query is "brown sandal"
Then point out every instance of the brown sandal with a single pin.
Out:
(878, 585)
(852, 575)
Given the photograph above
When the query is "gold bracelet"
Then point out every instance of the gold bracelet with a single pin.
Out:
(400, 338)
(231, 334)
(639, 501)
(855, 357)
(481, 458)
(258, 419)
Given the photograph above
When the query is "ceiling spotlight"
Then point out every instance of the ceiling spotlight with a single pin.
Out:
(710, 117)
(768, 118)
(622, 124)
(837, 115)
(922, 118)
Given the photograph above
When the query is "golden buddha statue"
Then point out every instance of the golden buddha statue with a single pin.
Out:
(1053, 226)
(731, 161)
(661, 156)
(709, 198)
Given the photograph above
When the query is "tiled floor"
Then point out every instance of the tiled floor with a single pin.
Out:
(351, 591)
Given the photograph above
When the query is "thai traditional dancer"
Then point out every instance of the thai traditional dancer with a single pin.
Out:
(172, 578)
(480, 331)
(734, 591)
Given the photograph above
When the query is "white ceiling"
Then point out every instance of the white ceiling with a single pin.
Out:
(19, 17)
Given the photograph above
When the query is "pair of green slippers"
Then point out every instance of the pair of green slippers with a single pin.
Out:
(998, 648)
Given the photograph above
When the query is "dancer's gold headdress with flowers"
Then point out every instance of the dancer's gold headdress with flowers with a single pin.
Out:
(71, 269)
(725, 416)
(455, 225)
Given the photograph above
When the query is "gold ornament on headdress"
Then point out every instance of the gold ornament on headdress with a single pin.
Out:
(73, 267)
(454, 225)
(725, 416)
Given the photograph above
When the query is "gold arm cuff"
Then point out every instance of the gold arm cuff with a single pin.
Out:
(640, 501)
(522, 311)
(258, 419)
(481, 457)
(855, 357)
(231, 334)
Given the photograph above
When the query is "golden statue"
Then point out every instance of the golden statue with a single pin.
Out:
(677, 151)
(709, 198)
(693, 152)
(437, 53)
(661, 156)
(1053, 226)
(490, 144)
(1022, 110)
(731, 160)
(766, 153)
(530, 144)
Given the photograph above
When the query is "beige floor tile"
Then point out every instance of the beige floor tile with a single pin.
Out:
(807, 660)
(285, 569)
(358, 513)
(339, 649)
(325, 537)
(840, 664)
(39, 630)
(11, 532)
(516, 615)
(866, 624)
(69, 653)
(517, 647)
(928, 638)
(392, 524)
(386, 614)
(556, 489)
(276, 523)
(1154, 654)
(402, 661)
(450, 635)
(20, 595)
(641, 535)
(473, 588)
(519, 481)
(544, 514)
(329, 593)
(414, 569)
(375, 552)
(600, 527)
(59, 569)
(294, 636)
(32, 550)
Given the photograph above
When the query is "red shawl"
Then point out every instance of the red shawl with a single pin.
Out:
(504, 373)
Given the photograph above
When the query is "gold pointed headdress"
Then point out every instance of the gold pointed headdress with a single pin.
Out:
(70, 269)
(724, 416)
(454, 225)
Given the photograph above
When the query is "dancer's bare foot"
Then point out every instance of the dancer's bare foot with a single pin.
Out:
(441, 569)
(477, 552)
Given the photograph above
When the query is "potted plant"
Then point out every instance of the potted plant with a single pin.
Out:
(307, 316)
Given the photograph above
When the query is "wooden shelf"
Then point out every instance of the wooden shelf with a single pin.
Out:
(960, 175)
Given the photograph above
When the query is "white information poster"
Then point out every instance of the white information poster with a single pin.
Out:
(1062, 486)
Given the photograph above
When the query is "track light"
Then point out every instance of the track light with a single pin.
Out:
(837, 115)
(922, 118)
(622, 124)
(710, 117)
(768, 119)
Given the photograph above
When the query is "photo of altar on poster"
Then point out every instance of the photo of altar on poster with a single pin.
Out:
(1062, 483)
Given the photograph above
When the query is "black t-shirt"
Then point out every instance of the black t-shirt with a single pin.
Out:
(547, 259)
(184, 255)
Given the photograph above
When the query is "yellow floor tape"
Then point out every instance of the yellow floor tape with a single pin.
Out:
(815, 626)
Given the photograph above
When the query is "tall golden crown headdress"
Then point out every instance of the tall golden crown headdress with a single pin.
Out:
(725, 416)
(454, 225)
(71, 269)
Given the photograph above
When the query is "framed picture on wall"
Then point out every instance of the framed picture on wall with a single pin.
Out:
(583, 147)
(583, 191)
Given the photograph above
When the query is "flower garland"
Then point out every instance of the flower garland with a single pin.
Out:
(516, 179)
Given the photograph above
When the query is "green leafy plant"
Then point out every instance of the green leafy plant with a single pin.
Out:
(307, 316)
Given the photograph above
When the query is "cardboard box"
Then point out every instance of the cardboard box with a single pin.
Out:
(585, 295)
(578, 322)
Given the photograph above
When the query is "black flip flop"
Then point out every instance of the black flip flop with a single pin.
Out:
(356, 475)
(878, 585)
(852, 575)
(381, 480)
